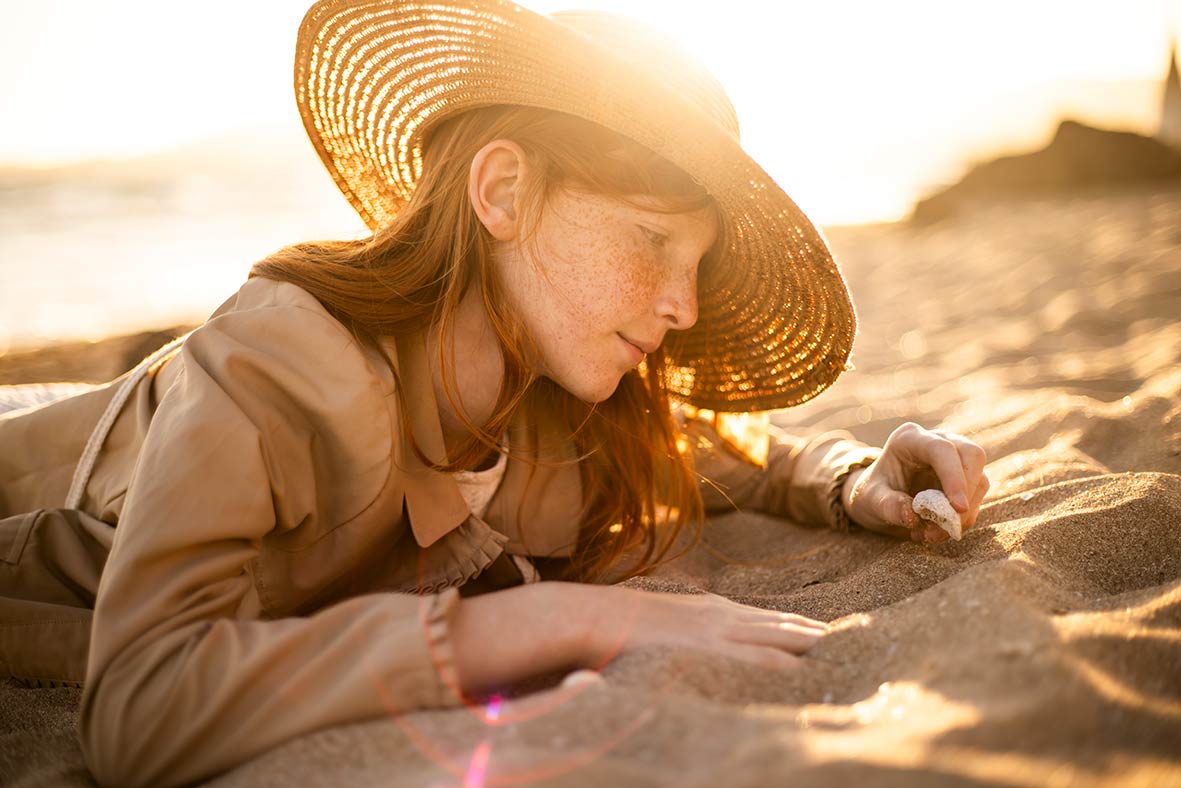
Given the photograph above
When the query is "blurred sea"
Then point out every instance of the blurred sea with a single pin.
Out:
(105, 248)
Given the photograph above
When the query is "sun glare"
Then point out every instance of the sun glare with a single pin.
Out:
(857, 109)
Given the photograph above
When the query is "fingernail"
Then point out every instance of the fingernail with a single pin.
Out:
(961, 500)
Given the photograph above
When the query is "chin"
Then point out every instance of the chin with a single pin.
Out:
(591, 392)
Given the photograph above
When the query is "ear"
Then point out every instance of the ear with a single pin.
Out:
(497, 171)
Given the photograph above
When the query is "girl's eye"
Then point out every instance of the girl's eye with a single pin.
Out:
(656, 238)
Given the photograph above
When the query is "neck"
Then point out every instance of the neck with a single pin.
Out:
(475, 370)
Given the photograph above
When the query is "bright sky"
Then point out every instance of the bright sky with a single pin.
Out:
(851, 105)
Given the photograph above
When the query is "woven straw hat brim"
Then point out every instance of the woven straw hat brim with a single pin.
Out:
(775, 322)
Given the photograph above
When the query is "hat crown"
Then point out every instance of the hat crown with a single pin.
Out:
(660, 57)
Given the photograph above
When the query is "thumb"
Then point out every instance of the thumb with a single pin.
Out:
(895, 509)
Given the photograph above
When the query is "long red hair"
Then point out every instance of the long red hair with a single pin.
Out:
(638, 486)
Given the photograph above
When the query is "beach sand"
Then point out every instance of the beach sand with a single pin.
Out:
(1042, 650)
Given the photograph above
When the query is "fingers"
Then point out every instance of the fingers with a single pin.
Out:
(928, 533)
(932, 534)
(917, 529)
(972, 460)
(977, 499)
(767, 657)
(785, 635)
(758, 615)
(787, 631)
(712, 623)
(958, 463)
(944, 457)
(896, 509)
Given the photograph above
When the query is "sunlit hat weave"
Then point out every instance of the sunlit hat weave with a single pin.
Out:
(775, 323)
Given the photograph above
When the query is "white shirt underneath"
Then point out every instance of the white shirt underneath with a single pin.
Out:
(477, 488)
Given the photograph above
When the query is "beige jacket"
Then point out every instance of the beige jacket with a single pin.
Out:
(282, 560)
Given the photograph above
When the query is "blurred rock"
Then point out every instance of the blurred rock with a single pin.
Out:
(1079, 157)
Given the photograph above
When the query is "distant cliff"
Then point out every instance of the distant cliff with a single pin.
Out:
(1079, 156)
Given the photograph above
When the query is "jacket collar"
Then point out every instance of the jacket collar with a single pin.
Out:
(538, 505)
(433, 501)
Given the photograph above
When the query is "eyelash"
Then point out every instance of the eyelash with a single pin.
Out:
(657, 239)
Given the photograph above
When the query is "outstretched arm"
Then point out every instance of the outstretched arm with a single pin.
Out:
(557, 624)
(833, 479)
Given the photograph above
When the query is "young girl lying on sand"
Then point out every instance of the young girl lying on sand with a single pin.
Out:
(394, 472)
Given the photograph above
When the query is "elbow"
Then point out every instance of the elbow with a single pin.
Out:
(124, 736)
(104, 728)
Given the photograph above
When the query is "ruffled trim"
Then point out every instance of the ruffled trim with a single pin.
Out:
(436, 623)
(459, 556)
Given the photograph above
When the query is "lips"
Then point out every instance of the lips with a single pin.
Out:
(645, 347)
(635, 352)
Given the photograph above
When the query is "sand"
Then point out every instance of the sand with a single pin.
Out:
(1042, 650)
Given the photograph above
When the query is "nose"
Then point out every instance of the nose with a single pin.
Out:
(678, 301)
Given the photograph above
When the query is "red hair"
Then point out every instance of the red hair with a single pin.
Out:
(639, 488)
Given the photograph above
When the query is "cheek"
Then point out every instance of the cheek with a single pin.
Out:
(609, 277)
(632, 286)
(593, 271)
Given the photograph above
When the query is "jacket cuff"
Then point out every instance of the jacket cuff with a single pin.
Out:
(436, 617)
(838, 518)
(806, 477)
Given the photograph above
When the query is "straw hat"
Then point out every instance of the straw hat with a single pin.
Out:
(775, 322)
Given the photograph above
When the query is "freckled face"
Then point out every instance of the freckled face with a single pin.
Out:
(601, 283)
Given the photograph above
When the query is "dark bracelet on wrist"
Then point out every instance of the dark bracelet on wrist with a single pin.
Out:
(838, 517)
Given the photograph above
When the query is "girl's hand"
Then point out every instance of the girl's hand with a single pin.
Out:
(916, 459)
(631, 619)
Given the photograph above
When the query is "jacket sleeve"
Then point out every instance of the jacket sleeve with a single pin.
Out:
(177, 688)
(801, 480)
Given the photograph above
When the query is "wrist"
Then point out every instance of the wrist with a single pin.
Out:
(847, 489)
(846, 503)
(840, 493)
(549, 624)
(579, 612)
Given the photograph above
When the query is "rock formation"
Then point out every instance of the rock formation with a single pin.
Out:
(1078, 157)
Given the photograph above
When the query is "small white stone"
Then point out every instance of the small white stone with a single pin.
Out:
(584, 677)
(933, 505)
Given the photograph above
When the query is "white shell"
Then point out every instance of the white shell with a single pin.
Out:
(933, 505)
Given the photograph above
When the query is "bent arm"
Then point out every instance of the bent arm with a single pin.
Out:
(802, 479)
(178, 686)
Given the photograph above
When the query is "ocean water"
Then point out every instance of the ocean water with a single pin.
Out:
(90, 254)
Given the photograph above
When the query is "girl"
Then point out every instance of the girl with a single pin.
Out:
(392, 473)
